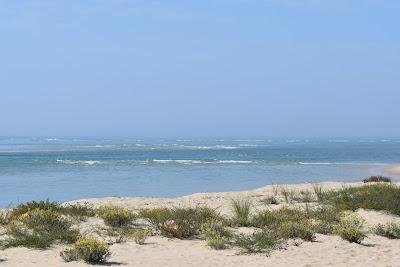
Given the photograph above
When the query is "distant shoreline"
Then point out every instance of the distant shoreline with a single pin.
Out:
(393, 169)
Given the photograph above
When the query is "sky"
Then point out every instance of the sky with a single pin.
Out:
(200, 68)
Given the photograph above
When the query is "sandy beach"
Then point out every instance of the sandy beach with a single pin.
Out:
(393, 169)
(327, 250)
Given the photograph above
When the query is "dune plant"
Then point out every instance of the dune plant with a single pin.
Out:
(319, 192)
(6, 216)
(350, 228)
(216, 234)
(291, 229)
(273, 218)
(87, 249)
(79, 211)
(261, 241)
(390, 230)
(114, 216)
(303, 197)
(140, 236)
(40, 229)
(381, 196)
(35, 205)
(241, 210)
(377, 178)
(180, 223)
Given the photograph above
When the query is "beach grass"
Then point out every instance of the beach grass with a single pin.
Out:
(241, 210)
(182, 223)
(380, 196)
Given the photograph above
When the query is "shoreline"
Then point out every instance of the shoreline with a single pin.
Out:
(393, 169)
(218, 200)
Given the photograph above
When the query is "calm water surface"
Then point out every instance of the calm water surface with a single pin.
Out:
(72, 168)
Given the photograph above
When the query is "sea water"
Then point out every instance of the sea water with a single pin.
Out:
(62, 169)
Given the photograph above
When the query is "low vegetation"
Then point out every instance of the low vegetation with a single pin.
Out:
(390, 230)
(216, 234)
(293, 229)
(40, 229)
(44, 223)
(140, 236)
(379, 196)
(273, 218)
(182, 223)
(87, 249)
(116, 217)
(377, 178)
(241, 210)
(76, 211)
(261, 241)
(350, 228)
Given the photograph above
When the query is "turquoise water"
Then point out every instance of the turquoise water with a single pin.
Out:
(72, 168)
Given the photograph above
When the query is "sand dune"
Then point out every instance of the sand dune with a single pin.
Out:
(160, 251)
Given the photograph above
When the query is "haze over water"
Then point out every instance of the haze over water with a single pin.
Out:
(73, 168)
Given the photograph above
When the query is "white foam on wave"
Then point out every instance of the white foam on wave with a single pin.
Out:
(326, 163)
(78, 162)
(235, 161)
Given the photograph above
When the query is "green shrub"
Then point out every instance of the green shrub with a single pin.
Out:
(241, 209)
(380, 196)
(35, 205)
(73, 210)
(390, 230)
(350, 228)
(261, 241)
(324, 218)
(87, 249)
(116, 216)
(291, 229)
(178, 222)
(79, 211)
(216, 234)
(140, 236)
(40, 229)
(377, 178)
(273, 218)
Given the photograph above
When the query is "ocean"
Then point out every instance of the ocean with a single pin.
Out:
(62, 169)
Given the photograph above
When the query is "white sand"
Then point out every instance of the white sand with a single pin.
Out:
(393, 169)
(159, 251)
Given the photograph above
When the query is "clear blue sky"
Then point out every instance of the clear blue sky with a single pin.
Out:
(200, 68)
